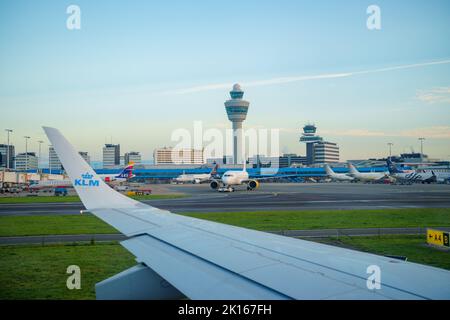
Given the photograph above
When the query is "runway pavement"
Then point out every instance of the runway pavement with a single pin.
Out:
(275, 196)
(321, 233)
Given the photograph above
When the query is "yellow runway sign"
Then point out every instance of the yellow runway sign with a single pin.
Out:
(438, 238)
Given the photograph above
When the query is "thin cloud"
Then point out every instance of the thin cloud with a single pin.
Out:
(436, 95)
(354, 133)
(283, 80)
(435, 132)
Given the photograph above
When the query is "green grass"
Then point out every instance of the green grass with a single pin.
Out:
(39, 272)
(52, 199)
(57, 224)
(412, 247)
(38, 199)
(268, 221)
(333, 219)
(160, 196)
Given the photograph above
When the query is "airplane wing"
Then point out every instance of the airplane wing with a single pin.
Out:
(200, 259)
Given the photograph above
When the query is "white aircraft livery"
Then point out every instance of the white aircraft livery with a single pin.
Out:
(196, 178)
(232, 178)
(51, 184)
(183, 257)
(337, 176)
(365, 176)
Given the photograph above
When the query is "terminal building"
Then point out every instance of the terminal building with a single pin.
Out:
(284, 161)
(132, 156)
(85, 156)
(7, 154)
(53, 160)
(26, 161)
(111, 155)
(325, 152)
(225, 160)
(414, 157)
(169, 155)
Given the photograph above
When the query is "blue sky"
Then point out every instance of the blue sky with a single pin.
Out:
(137, 70)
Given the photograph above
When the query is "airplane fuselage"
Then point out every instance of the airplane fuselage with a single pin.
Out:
(51, 184)
(369, 176)
(113, 178)
(341, 177)
(233, 178)
(413, 176)
(192, 178)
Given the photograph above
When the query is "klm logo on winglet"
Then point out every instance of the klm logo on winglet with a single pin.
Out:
(87, 181)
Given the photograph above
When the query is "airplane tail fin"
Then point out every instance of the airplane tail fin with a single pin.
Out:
(214, 170)
(127, 172)
(352, 168)
(93, 192)
(392, 167)
(328, 170)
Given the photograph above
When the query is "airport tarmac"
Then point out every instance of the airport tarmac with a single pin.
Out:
(275, 196)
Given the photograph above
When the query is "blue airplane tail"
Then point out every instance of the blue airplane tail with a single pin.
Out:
(392, 167)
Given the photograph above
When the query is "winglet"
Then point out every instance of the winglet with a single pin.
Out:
(93, 192)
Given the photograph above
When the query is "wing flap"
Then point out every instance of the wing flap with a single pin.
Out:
(193, 276)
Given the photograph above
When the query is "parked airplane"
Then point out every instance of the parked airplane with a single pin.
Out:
(442, 176)
(337, 176)
(124, 175)
(366, 176)
(409, 176)
(197, 178)
(50, 184)
(184, 257)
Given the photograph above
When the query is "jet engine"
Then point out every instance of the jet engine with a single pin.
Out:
(214, 184)
(252, 184)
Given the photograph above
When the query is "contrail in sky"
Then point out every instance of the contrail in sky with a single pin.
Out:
(282, 80)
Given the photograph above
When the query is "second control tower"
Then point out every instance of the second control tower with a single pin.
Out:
(309, 137)
(237, 109)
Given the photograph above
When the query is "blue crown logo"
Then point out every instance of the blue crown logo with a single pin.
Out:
(87, 176)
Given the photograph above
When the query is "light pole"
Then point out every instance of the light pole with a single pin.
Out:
(8, 131)
(49, 162)
(39, 159)
(26, 153)
(421, 148)
(390, 144)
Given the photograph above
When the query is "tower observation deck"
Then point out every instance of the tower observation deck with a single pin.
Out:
(237, 109)
(309, 138)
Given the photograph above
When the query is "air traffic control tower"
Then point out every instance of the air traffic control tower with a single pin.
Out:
(309, 137)
(237, 109)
